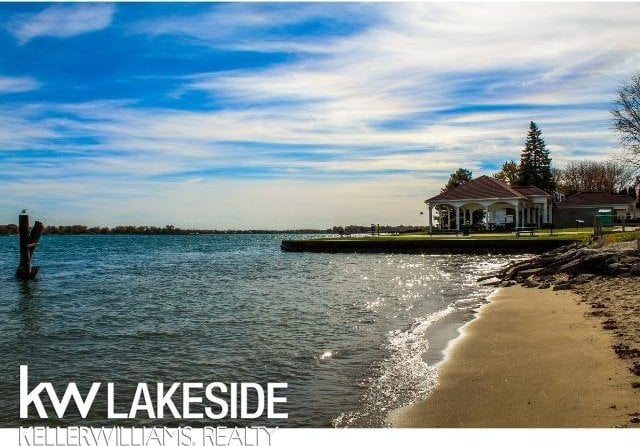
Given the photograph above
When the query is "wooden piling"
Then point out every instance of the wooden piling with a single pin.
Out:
(28, 243)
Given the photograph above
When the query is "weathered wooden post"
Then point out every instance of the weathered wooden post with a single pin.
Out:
(597, 228)
(28, 244)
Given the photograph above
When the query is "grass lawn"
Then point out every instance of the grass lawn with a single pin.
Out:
(615, 237)
(580, 235)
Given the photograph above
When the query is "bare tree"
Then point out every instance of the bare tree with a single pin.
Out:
(626, 118)
(595, 176)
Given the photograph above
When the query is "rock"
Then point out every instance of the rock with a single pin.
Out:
(625, 352)
(570, 267)
(563, 286)
(494, 281)
(544, 285)
(583, 278)
(612, 259)
(507, 283)
(483, 278)
(529, 272)
(530, 283)
(616, 266)
(610, 324)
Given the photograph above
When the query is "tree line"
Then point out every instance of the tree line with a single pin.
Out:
(12, 229)
(612, 176)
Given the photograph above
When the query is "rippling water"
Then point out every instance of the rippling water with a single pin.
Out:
(348, 333)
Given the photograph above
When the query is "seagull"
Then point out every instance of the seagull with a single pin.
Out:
(24, 211)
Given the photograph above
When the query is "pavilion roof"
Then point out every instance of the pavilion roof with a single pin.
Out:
(486, 187)
(530, 191)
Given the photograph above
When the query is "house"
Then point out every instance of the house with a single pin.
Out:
(585, 205)
(501, 204)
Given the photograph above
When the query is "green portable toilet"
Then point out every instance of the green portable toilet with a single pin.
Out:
(605, 217)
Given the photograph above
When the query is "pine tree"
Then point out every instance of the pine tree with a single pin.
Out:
(509, 173)
(457, 178)
(535, 164)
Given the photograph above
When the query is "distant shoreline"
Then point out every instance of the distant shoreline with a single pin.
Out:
(186, 232)
(12, 229)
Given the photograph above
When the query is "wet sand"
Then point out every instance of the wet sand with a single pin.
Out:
(530, 359)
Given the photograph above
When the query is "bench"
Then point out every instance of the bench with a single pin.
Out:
(530, 230)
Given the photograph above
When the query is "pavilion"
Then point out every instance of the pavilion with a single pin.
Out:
(501, 204)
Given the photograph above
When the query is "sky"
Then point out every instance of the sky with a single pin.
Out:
(281, 115)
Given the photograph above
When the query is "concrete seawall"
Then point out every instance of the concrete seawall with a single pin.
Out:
(424, 246)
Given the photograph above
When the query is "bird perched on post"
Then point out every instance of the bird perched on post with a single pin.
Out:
(24, 211)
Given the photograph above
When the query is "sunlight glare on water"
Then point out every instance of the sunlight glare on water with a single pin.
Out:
(345, 331)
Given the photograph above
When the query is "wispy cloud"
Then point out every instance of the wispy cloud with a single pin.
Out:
(62, 20)
(9, 84)
(270, 27)
(357, 113)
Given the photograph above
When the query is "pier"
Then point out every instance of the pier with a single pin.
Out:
(408, 245)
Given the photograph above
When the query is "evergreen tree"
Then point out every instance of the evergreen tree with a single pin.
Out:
(509, 173)
(460, 176)
(535, 164)
(457, 178)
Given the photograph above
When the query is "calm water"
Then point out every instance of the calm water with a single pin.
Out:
(347, 332)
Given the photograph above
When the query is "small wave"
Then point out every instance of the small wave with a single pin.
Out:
(400, 379)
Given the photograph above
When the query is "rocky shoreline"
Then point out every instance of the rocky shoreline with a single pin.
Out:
(569, 266)
(607, 280)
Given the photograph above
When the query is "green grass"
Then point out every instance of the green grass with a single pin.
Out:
(615, 237)
(581, 235)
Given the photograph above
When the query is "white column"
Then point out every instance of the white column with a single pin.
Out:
(430, 219)
(551, 213)
(544, 213)
(486, 218)
(517, 216)
(457, 218)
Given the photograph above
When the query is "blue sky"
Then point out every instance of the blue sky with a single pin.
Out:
(291, 115)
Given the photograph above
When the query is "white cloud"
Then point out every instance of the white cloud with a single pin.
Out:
(425, 89)
(247, 26)
(62, 20)
(10, 84)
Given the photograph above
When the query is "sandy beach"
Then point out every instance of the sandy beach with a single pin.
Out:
(532, 358)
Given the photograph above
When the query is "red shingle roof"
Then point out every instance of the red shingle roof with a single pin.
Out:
(595, 199)
(530, 191)
(485, 187)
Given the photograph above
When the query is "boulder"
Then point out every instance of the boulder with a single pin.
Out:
(529, 272)
(563, 286)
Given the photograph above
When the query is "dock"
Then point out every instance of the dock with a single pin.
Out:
(407, 245)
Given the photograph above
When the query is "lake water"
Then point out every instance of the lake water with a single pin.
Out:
(349, 333)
